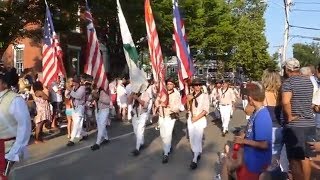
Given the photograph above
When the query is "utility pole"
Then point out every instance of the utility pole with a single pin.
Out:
(287, 5)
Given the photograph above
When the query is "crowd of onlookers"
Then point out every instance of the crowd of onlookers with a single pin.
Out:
(282, 112)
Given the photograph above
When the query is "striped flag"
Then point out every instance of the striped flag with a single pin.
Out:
(52, 64)
(185, 63)
(137, 76)
(155, 51)
(94, 62)
(181, 44)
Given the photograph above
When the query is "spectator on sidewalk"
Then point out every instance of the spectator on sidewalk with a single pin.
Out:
(257, 148)
(43, 109)
(297, 92)
(56, 100)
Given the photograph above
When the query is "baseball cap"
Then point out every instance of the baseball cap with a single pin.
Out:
(292, 64)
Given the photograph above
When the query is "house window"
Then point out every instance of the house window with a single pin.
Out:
(18, 57)
(200, 71)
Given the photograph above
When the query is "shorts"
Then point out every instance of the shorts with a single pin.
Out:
(244, 174)
(295, 139)
(69, 112)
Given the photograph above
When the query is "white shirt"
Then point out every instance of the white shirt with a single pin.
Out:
(129, 89)
(121, 94)
(55, 97)
(19, 110)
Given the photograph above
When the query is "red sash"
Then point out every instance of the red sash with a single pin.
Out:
(3, 162)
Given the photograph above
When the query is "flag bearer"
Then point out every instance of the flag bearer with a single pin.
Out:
(168, 114)
(140, 114)
(78, 95)
(197, 121)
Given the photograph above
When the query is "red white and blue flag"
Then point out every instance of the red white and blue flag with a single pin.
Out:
(185, 63)
(52, 64)
(94, 66)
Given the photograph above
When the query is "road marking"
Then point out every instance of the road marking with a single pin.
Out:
(73, 151)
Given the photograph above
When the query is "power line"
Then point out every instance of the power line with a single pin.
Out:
(302, 27)
(307, 10)
(301, 2)
(306, 37)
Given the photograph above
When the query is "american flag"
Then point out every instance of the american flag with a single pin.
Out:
(52, 64)
(185, 63)
(155, 51)
(94, 65)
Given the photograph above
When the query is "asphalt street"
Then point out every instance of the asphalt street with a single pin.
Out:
(52, 160)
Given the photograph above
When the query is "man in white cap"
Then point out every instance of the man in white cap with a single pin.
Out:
(140, 101)
(15, 122)
(300, 127)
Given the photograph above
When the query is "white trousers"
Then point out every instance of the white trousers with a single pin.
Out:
(225, 116)
(129, 111)
(139, 124)
(77, 123)
(244, 105)
(195, 135)
(166, 125)
(102, 119)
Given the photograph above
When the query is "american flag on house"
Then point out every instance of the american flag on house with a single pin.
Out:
(52, 64)
(155, 51)
(185, 63)
(94, 62)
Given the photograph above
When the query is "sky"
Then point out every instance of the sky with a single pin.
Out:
(275, 22)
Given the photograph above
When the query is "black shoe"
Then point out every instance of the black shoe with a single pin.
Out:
(84, 138)
(135, 152)
(193, 165)
(142, 146)
(70, 143)
(199, 157)
(95, 147)
(223, 134)
(165, 159)
(105, 141)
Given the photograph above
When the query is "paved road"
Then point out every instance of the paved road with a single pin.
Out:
(53, 160)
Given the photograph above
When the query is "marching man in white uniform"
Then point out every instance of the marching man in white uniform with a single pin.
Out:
(78, 95)
(197, 121)
(168, 114)
(226, 100)
(104, 103)
(15, 123)
(140, 114)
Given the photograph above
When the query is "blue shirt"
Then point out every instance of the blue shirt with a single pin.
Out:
(259, 128)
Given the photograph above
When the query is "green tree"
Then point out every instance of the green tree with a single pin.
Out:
(250, 49)
(307, 54)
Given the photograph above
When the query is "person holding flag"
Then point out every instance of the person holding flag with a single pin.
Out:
(168, 114)
(197, 120)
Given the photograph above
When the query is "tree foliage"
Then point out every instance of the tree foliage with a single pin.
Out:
(229, 31)
(307, 54)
